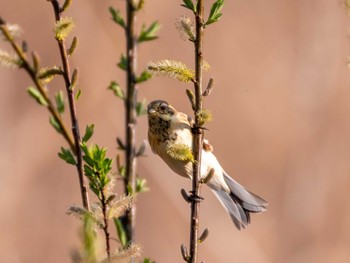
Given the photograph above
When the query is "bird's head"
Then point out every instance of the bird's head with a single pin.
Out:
(160, 109)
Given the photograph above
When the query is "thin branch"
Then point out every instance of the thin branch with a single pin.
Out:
(33, 75)
(130, 117)
(72, 108)
(105, 223)
(198, 135)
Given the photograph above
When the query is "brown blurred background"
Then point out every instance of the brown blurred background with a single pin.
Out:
(281, 128)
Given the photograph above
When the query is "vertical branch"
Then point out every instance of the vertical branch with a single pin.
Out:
(130, 117)
(72, 109)
(105, 223)
(197, 136)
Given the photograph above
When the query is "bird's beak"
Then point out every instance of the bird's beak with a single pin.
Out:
(151, 111)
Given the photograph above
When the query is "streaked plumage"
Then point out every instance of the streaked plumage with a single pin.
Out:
(168, 127)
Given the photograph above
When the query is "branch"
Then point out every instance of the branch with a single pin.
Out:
(105, 222)
(72, 107)
(130, 117)
(197, 135)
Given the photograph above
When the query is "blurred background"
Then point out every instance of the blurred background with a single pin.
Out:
(281, 128)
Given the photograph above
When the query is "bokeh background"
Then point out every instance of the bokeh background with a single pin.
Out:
(281, 128)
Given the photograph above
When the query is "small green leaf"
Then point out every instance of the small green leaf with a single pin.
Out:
(77, 96)
(116, 17)
(89, 131)
(141, 185)
(55, 124)
(75, 76)
(189, 4)
(121, 171)
(145, 75)
(35, 93)
(191, 98)
(117, 90)
(36, 63)
(141, 108)
(121, 232)
(65, 5)
(140, 5)
(73, 46)
(130, 190)
(67, 156)
(149, 33)
(59, 101)
(215, 12)
(122, 62)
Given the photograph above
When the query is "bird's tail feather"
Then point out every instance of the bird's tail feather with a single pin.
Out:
(239, 202)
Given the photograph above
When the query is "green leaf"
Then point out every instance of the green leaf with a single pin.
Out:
(73, 46)
(149, 33)
(121, 232)
(189, 4)
(116, 17)
(122, 62)
(59, 101)
(35, 93)
(67, 156)
(140, 5)
(65, 5)
(141, 108)
(89, 131)
(141, 185)
(55, 124)
(215, 12)
(117, 90)
(77, 96)
(145, 75)
(130, 190)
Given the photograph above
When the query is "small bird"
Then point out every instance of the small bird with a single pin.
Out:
(168, 127)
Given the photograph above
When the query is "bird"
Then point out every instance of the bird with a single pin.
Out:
(168, 127)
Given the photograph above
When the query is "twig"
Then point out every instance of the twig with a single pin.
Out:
(72, 108)
(130, 117)
(105, 221)
(197, 136)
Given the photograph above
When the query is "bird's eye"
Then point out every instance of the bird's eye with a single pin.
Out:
(163, 107)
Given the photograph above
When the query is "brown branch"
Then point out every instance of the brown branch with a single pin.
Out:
(130, 117)
(33, 75)
(72, 109)
(105, 223)
(197, 135)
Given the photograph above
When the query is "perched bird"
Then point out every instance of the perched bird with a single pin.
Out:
(168, 127)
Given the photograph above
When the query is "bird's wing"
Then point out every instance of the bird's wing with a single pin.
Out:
(184, 120)
(153, 142)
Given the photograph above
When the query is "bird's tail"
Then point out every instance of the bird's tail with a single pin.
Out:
(239, 203)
